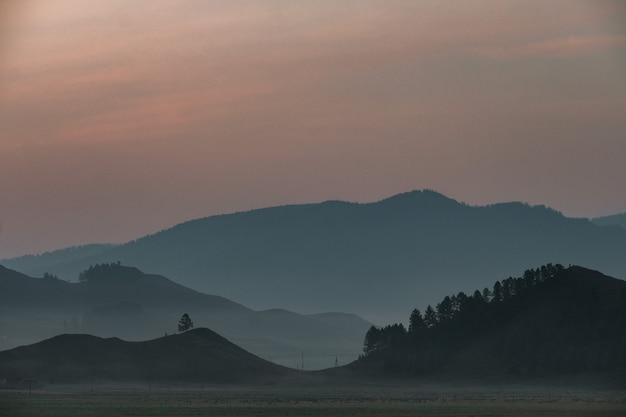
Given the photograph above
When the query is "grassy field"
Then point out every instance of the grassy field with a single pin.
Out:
(315, 402)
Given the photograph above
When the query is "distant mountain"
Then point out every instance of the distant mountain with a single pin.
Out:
(199, 355)
(613, 220)
(550, 321)
(116, 300)
(374, 259)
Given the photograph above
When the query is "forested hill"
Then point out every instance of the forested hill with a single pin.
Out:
(374, 259)
(550, 321)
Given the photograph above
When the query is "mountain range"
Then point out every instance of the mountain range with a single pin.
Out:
(376, 259)
(121, 301)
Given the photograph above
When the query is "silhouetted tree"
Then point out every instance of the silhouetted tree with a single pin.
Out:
(486, 294)
(430, 317)
(444, 309)
(185, 323)
(394, 335)
(497, 292)
(416, 322)
(372, 340)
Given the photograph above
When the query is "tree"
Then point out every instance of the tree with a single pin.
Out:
(430, 317)
(497, 292)
(416, 322)
(372, 340)
(185, 323)
(444, 309)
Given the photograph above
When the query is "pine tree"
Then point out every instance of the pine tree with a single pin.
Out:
(185, 323)
(430, 317)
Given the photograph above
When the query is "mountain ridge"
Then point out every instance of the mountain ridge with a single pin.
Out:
(356, 256)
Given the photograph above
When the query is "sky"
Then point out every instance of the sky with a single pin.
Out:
(119, 119)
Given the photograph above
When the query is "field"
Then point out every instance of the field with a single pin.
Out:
(369, 401)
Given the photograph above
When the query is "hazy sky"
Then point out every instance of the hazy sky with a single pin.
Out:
(122, 118)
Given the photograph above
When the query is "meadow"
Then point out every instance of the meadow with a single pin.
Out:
(368, 401)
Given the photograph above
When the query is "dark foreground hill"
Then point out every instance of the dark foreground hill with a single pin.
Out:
(374, 259)
(197, 355)
(121, 301)
(550, 322)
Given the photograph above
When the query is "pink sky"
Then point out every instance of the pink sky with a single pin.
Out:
(119, 119)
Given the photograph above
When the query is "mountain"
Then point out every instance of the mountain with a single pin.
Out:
(613, 220)
(374, 259)
(198, 355)
(551, 321)
(122, 301)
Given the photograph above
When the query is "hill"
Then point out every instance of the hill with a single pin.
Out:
(551, 321)
(374, 259)
(199, 355)
(122, 301)
(613, 220)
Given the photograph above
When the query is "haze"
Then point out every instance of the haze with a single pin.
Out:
(119, 119)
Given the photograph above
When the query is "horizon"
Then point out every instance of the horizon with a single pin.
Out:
(120, 120)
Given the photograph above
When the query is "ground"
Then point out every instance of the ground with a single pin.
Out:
(177, 401)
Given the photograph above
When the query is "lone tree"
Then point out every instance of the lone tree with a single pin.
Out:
(185, 323)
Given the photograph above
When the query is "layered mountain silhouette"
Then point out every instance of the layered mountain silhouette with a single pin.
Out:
(376, 259)
(549, 321)
(198, 355)
(121, 301)
(552, 324)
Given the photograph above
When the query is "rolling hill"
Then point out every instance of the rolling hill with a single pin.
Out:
(198, 355)
(374, 259)
(121, 301)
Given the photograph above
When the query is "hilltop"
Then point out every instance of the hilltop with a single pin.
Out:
(374, 259)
